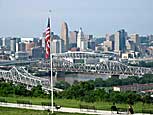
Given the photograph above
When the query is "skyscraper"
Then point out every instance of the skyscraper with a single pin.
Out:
(120, 41)
(91, 44)
(6, 42)
(28, 47)
(21, 46)
(57, 45)
(1, 42)
(64, 35)
(117, 42)
(135, 38)
(73, 39)
(38, 52)
(80, 37)
(13, 45)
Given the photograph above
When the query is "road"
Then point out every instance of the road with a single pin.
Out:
(63, 109)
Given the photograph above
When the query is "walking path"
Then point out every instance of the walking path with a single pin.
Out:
(63, 109)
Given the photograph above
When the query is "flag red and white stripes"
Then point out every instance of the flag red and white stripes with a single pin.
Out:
(47, 39)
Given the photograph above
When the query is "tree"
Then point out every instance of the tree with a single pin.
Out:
(62, 85)
(20, 90)
(37, 91)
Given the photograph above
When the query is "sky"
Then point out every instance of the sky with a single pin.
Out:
(28, 18)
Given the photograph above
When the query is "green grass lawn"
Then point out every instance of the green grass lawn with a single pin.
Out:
(75, 103)
(15, 111)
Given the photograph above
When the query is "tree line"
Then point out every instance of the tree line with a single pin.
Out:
(88, 91)
(9, 89)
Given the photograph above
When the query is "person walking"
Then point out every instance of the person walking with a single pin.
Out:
(114, 108)
(130, 110)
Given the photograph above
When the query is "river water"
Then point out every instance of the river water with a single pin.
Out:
(70, 78)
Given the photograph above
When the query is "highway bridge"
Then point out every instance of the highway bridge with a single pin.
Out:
(104, 67)
(20, 75)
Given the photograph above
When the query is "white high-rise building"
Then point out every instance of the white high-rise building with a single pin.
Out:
(84, 45)
(6, 42)
(80, 37)
(117, 42)
(57, 45)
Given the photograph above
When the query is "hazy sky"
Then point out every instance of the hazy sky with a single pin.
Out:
(28, 18)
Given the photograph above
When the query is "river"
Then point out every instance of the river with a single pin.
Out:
(70, 78)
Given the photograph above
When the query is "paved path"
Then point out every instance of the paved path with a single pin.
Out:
(63, 109)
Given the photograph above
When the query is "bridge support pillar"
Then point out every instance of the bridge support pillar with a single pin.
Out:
(55, 76)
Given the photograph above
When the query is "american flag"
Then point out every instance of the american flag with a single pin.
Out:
(47, 39)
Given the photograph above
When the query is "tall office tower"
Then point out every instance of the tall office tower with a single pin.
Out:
(6, 42)
(18, 40)
(120, 41)
(17, 47)
(108, 44)
(112, 37)
(28, 47)
(135, 38)
(39, 44)
(64, 35)
(107, 37)
(80, 37)
(57, 45)
(1, 42)
(73, 39)
(21, 46)
(117, 42)
(35, 40)
(84, 45)
(38, 52)
(43, 39)
(91, 44)
(150, 38)
(130, 45)
(13, 45)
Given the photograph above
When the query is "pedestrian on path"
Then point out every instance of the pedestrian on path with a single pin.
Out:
(48, 112)
(130, 110)
(114, 108)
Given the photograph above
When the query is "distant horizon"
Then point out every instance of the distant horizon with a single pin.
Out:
(99, 17)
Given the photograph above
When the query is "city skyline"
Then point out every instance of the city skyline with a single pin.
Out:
(29, 18)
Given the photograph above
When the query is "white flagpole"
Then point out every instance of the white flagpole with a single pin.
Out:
(51, 72)
(51, 82)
